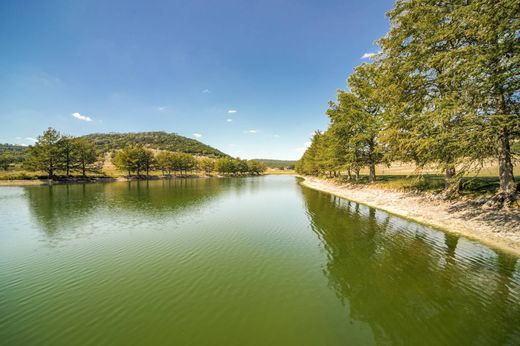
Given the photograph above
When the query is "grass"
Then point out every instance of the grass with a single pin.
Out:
(471, 187)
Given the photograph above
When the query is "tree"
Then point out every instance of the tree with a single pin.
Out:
(207, 165)
(6, 159)
(164, 161)
(84, 154)
(145, 159)
(225, 165)
(256, 167)
(67, 152)
(45, 154)
(452, 81)
(128, 159)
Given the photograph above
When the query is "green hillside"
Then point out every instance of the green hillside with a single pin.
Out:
(14, 150)
(156, 140)
(278, 163)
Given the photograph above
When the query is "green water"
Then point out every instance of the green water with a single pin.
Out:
(244, 261)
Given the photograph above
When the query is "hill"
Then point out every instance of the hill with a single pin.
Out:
(156, 140)
(279, 164)
(16, 151)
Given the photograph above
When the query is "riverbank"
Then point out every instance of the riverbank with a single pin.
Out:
(496, 228)
(90, 180)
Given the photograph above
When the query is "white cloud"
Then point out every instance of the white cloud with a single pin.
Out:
(22, 145)
(231, 111)
(276, 136)
(81, 117)
(197, 135)
(229, 120)
(161, 108)
(251, 131)
(206, 91)
(304, 147)
(369, 55)
(31, 139)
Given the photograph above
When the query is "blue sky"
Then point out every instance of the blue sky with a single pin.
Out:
(251, 78)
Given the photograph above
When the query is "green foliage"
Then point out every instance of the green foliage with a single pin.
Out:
(207, 165)
(352, 140)
(256, 167)
(17, 152)
(45, 155)
(105, 142)
(278, 164)
(135, 158)
(443, 91)
(228, 165)
(84, 155)
(53, 152)
(6, 159)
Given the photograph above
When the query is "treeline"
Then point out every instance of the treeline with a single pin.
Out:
(54, 152)
(278, 164)
(140, 160)
(443, 91)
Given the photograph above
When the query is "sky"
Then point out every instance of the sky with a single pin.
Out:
(251, 78)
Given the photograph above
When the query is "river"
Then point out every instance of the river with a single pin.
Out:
(240, 261)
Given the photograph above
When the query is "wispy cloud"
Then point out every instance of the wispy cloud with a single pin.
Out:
(197, 135)
(304, 147)
(81, 117)
(229, 120)
(31, 139)
(206, 91)
(276, 136)
(369, 55)
(232, 111)
(251, 131)
(161, 108)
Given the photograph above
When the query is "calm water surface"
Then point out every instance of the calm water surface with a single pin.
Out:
(245, 261)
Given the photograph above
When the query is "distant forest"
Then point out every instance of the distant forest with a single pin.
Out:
(278, 164)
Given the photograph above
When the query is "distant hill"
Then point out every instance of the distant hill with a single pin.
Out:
(278, 163)
(16, 151)
(105, 142)
(155, 140)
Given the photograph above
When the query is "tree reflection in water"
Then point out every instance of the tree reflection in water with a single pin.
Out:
(414, 284)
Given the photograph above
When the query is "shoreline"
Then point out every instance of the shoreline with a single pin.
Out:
(93, 180)
(498, 229)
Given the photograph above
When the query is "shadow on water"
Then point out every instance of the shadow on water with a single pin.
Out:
(413, 284)
(59, 209)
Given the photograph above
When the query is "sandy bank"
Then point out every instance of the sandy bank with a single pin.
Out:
(496, 228)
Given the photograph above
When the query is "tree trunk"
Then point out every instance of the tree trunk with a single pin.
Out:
(349, 174)
(83, 170)
(68, 164)
(372, 173)
(356, 171)
(449, 173)
(505, 165)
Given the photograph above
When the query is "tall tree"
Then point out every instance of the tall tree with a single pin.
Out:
(451, 73)
(67, 153)
(206, 165)
(84, 154)
(45, 154)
